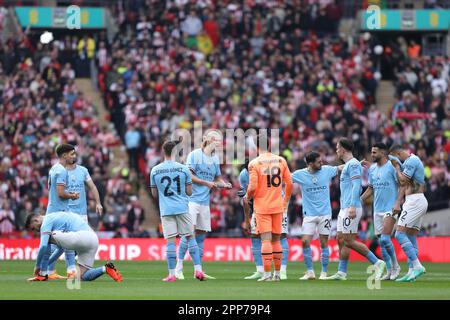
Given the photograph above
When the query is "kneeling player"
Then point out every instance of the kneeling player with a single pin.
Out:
(69, 232)
(172, 184)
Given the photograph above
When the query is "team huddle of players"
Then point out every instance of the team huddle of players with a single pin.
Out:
(396, 180)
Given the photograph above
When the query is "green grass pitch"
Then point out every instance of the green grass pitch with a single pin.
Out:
(142, 280)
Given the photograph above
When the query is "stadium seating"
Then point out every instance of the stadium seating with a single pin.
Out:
(41, 106)
(271, 65)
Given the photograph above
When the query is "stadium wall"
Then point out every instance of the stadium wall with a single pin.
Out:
(439, 220)
(432, 249)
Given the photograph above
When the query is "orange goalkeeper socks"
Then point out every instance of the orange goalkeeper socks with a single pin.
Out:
(277, 255)
(267, 256)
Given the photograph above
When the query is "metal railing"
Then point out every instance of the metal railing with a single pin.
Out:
(60, 3)
(87, 3)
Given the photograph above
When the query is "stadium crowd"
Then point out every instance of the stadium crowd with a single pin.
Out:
(41, 106)
(271, 64)
(421, 116)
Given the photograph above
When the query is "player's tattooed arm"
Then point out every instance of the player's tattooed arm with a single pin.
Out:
(416, 187)
(410, 186)
(246, 214)
(402, 179)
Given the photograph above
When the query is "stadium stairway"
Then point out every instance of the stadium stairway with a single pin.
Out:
(120, 155)
(385, 96)
(11, 26)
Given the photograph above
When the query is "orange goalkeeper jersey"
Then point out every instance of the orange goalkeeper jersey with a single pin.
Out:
(268, 173)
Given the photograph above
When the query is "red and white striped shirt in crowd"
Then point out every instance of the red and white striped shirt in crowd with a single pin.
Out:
(6, 221)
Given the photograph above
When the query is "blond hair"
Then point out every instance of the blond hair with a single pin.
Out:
(210, 136)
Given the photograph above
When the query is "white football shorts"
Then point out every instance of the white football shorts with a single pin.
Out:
(413, 210)
(347, 225)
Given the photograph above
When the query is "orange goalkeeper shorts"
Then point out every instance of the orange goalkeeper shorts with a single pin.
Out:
(269, 223)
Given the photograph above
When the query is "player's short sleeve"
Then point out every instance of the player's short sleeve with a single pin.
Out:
(87, 176)
(187, 174)
(297, 176)
(218, 172)
(332, 171)
(354, 170)
(243, 179)
(393, 172)
(409, 167)
(61, 176)
(190, 161)
(370, 176)
(392, 158)
(46, 226)
(152, 179)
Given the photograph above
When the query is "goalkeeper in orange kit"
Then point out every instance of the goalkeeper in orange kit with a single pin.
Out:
(268, 173)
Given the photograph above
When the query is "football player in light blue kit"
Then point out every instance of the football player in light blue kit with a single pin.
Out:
(204, 165)
(383, 185)
(78, 177)
(171, 183)
(315, 188)
(250, 226)
(58, 200)
(67, 231)
(350, 213)
(412, 186)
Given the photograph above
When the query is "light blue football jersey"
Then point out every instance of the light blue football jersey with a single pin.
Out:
(413, 168)
(206, 168)
(351, 175)
(384, 183)
(397, 160)
(77, 179)
(58, 221)
(170, 178)
(65, 222)
(244, 180)
(56, 176)
(315, 188)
